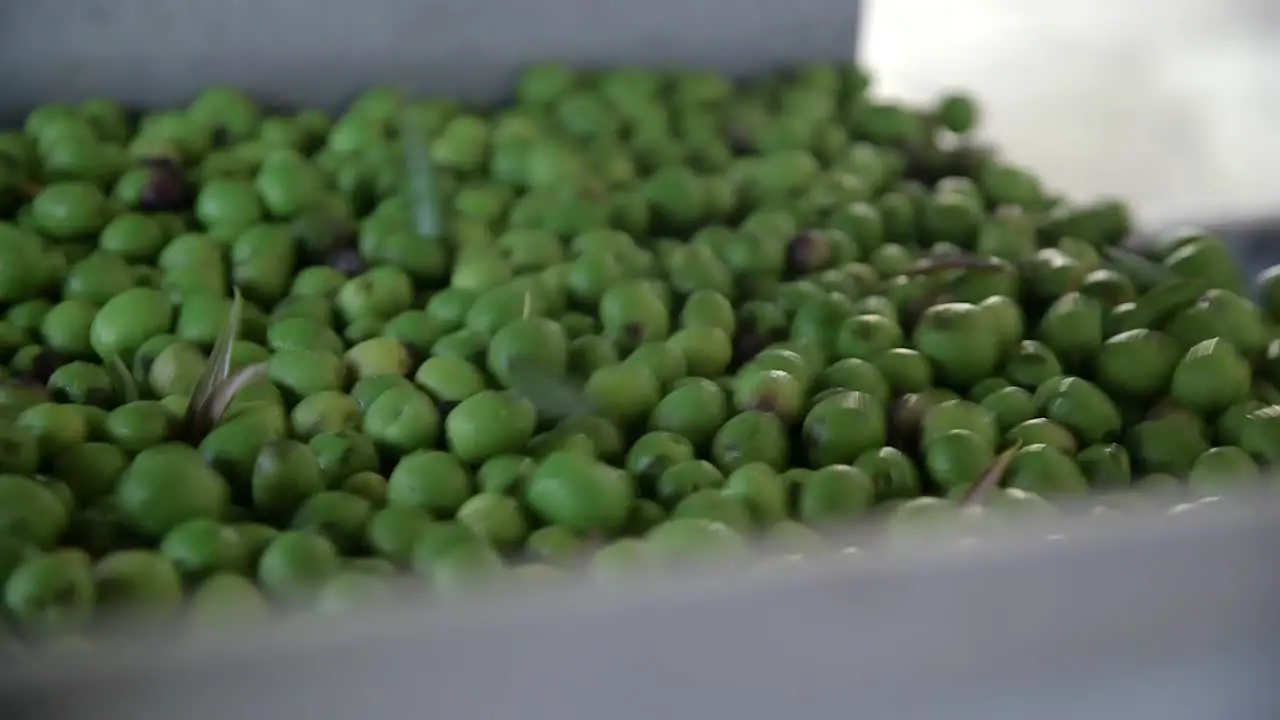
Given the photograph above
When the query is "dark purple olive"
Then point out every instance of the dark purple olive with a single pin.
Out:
(41, 367)
(765, 402)
(595, 190)
(45, 364)
(12, 198)
(629, 337)
(740, 141)
(345, 234)
(220, 136)
(925, 163)
(749, 342)
(912, 311)
(807, 252)
(100, 397)
(968, 160)
(160, 162)
(346, 261)
(26, 381)
(165, 190)
(445, 407)
(905, 415)
(321, 236)
(13, 191)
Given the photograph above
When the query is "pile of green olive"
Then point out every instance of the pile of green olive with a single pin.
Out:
(254, 364)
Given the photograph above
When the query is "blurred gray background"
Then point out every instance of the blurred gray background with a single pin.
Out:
(1171, 103)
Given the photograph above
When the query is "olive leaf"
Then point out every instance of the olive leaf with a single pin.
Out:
(1267, 392)
(218, 385)
(219, 364)
(1164, 301)
(420, 176)
(224, 393)
(552, 395)
(1167, 292)
(121, 379)
(1142, 269)
(991, 478)
(526, 309)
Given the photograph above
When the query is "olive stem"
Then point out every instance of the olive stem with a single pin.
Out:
(121, 379)
(1268, 392)
(989, 480)
(930, 267)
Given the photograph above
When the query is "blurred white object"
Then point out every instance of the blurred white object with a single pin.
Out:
(1172, 104)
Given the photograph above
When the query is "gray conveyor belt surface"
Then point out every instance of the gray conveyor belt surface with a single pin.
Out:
(1172, 620)
(321, 52)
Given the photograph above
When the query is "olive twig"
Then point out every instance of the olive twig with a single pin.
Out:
(964, 263)
(218, 384)
(991, 478)
(953, 268)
